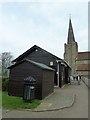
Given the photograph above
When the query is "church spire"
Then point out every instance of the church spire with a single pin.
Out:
(71, 37)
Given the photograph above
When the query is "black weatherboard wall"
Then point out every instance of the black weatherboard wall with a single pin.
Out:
(40, 55)
(43, 75)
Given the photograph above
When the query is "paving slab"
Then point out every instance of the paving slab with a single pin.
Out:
(61, 98)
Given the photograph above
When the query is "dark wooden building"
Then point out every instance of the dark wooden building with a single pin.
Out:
(37, 54)
(43, 75)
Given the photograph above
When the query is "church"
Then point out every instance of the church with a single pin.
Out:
(47, 69)
(78, 61)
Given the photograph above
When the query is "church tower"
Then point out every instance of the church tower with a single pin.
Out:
(71, 49)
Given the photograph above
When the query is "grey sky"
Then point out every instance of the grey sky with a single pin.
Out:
(45, 24)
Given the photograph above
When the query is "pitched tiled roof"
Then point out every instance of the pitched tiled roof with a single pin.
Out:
(84, 55)
(31, 50)
(83, 67)
(35, 47)
(40, 65)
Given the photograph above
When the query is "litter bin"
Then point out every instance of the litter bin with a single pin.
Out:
(29, 89)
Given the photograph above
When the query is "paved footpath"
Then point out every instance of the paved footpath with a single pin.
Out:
(79, 109)
(60, 99)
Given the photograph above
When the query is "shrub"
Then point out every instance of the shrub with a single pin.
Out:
(5, 84)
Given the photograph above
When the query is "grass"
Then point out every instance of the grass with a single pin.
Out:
(12, 102)
(0, 99)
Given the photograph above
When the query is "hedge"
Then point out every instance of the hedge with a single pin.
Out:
(5, 84)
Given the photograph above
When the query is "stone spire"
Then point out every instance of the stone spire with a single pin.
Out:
(71, 37)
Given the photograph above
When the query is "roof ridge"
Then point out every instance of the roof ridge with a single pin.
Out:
(41, 65)
(31, 49)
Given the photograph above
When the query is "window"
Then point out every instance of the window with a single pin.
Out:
(51, 63)
(36, 50)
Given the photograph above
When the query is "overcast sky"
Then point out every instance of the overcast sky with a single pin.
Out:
(24, 24)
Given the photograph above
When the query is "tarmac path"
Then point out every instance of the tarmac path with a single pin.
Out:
(78, 110)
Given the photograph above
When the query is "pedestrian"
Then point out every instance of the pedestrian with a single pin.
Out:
(69, 81)
(78, 78)
(73, 77)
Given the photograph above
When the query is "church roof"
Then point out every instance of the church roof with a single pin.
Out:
(71, 37)
(83, 67)
(84, 55)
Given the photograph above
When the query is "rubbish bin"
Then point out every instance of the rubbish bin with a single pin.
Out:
(29, 89)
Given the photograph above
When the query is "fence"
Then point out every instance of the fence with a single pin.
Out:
(86, 81)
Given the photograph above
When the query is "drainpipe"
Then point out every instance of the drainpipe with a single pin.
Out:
(58, 73)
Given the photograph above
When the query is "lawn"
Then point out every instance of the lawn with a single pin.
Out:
(12, 102)
(0, 99)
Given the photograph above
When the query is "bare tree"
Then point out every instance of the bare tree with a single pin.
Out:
(6, 62)
(0, 65)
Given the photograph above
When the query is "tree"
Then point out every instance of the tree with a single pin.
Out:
(6, 62)
(0, 65)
